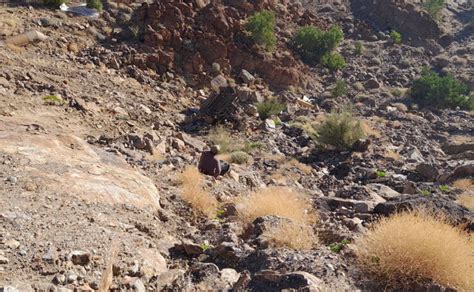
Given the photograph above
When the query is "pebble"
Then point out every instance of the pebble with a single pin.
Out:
(4, 260)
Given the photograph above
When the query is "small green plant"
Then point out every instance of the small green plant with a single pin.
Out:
(434, 90)
(239, 157)
(397, 92)
(267, 109)
(252, 146)
(444, 188)
(340, 130)
(338, 246)
(96, 4)
(312, 43)
(55, 3)
(425, 193)
(358, 48)
(434, 7)
(261, 28)
(340, 89)
(333, 61)
(220, 213)
(205, 246)
(396, 36)
(381, 174)
(53, 100)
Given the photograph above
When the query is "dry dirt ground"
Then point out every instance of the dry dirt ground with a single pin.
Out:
(60, 194)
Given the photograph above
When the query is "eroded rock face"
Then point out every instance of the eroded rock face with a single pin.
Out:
(190, 37)
(65, 163)
(402, 16)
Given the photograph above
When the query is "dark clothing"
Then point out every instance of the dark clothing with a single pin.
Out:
(208, 164)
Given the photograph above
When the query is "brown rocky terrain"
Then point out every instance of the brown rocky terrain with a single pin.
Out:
(90, 180)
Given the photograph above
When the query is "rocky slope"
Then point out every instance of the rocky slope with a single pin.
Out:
(90, 180)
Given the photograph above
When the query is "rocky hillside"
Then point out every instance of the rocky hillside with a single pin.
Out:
(103, 120)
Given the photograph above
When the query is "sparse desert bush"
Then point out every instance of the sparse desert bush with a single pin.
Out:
(467, 200)
(53, 100)
(193, 193)
(416, 247)
(396, 36)
(305, 125)
(239, 157)
(340, 130)
(434, 90)
(267, 109)
(96, 4)
(358, 48)
(340, 89)
(291, 235)
(338, 246)
(281, 202)
(55, 3)
(434, 7)
(312, 43)
(261, 28)
(333, 61)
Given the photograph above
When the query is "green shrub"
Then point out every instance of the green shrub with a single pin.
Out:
(444, 188)
(434, 90)
(338, 246)
(434, 7)
(358, 48)
(55, 3)
(396, 36)
(53, 100)
(340, 130)
(381, 174)
(269, 108)
(96, 4)
(312, 43)
(261, 27)
(239, 157)
(333, 61)
(340, 89)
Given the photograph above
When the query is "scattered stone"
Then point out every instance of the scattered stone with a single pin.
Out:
(427, 170)
(3, 260)
(246, 76)
(78, 257)
(191, 248)
(12, 244)
(372, 84)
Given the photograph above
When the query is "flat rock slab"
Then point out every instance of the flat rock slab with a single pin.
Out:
(64, 163)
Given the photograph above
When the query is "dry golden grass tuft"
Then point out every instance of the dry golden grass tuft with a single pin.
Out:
(368, 127)
(306, 169)
(467, 200)
(193, 193)
(277, 201)
(292, 235)
(418, 246)
(464, 184)
(392, 155)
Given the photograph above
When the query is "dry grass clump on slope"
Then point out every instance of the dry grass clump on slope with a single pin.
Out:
(193, 193)
(416, 247)
(467, 200)
(292, 235)
(281, 202)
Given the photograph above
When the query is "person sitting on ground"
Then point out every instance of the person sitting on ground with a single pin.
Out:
(210, 165)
